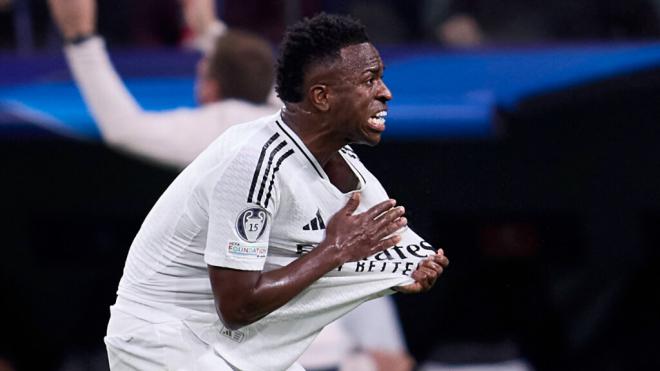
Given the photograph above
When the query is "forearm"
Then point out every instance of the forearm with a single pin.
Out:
(245, 296)
(172, 137)
(108, 100)
(116, 113)
(265, 292)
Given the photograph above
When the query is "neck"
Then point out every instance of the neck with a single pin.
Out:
(316, 133)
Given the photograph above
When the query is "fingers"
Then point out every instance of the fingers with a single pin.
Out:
(390, 215)
(352, 204)
(387, 222)
(385, 244)
(429, 270)
(380, 208)
(431, 264)
(440, 258)
(425, 276)
(390, 229)
(198, 14)
(394, 226)
(436, 262)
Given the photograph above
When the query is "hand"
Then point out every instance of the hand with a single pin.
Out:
(198, 15)
(426, 274)
(74, 17)
(461, 31)
(361, 235)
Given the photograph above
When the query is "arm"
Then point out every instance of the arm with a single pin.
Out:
(170, 137)
(254, 294)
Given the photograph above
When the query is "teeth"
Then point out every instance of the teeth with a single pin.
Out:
(377, 121)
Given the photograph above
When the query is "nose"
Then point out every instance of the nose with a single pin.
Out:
(384, 92)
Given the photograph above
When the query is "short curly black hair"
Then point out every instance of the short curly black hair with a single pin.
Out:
(310, 41)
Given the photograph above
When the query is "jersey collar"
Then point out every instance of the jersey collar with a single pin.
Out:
(344, 152)
(301, 146)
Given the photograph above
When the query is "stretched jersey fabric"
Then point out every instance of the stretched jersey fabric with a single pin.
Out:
(257, 199)
(175, 137)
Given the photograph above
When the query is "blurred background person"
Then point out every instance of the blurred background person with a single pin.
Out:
(234, 80)
(234, 85)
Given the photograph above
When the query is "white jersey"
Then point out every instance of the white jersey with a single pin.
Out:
(175, 137)
(257, 199)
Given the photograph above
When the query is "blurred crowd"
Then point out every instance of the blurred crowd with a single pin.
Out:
(26, 26)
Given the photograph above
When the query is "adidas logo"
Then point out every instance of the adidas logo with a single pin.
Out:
(315, 224)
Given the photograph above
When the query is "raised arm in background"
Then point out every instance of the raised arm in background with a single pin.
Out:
(173, 137)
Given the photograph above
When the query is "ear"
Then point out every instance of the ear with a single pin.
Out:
(217, 90)
(209, 91)
(318, 96)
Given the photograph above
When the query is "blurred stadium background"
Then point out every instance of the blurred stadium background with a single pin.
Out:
(524, 139)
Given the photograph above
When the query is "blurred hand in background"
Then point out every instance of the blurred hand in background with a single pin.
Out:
(74, 18)
(460, 31)
(198, 15)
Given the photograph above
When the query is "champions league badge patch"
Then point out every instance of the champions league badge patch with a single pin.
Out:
(251, 224)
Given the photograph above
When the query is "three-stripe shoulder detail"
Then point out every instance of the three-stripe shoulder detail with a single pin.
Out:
(274, 151)
(281, 126)
(348, 151)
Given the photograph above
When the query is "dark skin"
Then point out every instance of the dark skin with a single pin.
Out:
(341, 97)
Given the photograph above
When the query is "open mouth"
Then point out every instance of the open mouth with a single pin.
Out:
(377, 121)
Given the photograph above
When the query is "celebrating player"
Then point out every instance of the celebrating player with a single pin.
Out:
(234, 78)
(255, 208)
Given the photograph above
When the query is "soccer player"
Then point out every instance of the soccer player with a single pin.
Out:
(234, 78)
(173, 138)
(277, 221)
(89, 61)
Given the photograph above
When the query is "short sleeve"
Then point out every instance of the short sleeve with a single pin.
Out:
(242, 201)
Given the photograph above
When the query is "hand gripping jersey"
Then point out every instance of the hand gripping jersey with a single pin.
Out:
(257, 199)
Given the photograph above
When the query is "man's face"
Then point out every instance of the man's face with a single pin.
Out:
(359, 104)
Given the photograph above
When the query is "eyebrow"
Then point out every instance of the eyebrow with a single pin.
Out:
(374, 69)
